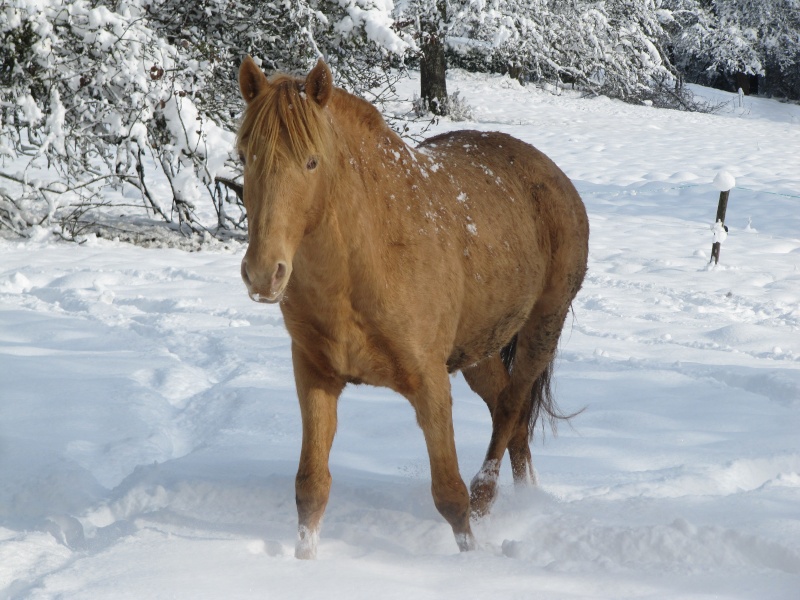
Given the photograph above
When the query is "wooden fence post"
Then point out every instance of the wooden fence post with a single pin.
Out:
(724, 182)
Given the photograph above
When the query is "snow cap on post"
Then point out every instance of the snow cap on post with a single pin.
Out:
(724, 181)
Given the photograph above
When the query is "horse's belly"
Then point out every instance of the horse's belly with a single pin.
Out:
(485, 337)
(498, 297)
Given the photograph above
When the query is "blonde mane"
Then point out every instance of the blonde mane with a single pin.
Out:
(282, 124)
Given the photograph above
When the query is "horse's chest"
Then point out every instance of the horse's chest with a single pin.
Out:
(361, 356)
(349, 347)
(358, 361)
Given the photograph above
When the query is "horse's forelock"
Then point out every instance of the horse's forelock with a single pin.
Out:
(282, 124)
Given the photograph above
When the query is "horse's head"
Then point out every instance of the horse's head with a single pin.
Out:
(284, 143)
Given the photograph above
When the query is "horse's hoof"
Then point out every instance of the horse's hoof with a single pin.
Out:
(477, 513)
(303, 551)
(526, 477)
(465, 541)
(483, 491)
(479, 506)
(306, 547)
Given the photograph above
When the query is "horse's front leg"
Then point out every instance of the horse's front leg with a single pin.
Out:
(318, 394)
(433, 405)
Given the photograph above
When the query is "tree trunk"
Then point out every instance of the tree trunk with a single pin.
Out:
(433, 62)
(743, 83)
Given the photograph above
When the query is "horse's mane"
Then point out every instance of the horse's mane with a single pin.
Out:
(281, 124)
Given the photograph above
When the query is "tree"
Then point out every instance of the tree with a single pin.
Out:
(616, 48)
(142, 94)
(92, 99)
(727, 43)
(433, 62)
(428, 20)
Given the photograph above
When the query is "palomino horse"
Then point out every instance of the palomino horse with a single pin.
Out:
(395, 266)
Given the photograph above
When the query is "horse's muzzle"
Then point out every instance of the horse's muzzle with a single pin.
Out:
(277, 283)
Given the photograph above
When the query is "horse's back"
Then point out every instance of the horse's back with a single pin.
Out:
(497, 152)
(507, 176)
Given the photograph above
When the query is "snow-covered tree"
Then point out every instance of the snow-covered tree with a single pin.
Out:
(362, 46)
(427, 22)
(92, 98)
(355, 37)
(142, 94)
(719, 42)
(614, 47)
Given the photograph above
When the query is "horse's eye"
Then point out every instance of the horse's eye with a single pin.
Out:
(241, 157)
(311, 164)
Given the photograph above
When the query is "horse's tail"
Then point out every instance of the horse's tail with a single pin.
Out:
(542, 402)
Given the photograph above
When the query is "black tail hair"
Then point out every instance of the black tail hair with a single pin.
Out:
(542, 402)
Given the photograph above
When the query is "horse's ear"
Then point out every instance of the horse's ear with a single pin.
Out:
(319, 83)
(251, 79)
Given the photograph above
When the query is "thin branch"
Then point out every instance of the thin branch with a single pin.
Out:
(237, 188)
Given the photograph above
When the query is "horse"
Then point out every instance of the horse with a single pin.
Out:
(397, 266)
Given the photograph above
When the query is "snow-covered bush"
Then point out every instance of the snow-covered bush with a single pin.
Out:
(458, 109)
(93, 98)
(613, 48)
(716, 40)
(142, 95)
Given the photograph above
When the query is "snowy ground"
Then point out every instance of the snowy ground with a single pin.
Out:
(149, 431)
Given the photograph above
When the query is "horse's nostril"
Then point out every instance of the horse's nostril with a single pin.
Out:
(280, 272)
(245, 276)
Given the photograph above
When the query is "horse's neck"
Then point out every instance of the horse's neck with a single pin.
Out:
(366, 139)
(372, 157)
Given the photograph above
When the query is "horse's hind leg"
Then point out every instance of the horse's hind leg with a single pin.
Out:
(536, 347)
(488, 379)
(318, 397)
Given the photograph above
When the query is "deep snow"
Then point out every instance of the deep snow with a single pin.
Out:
(149, 430)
